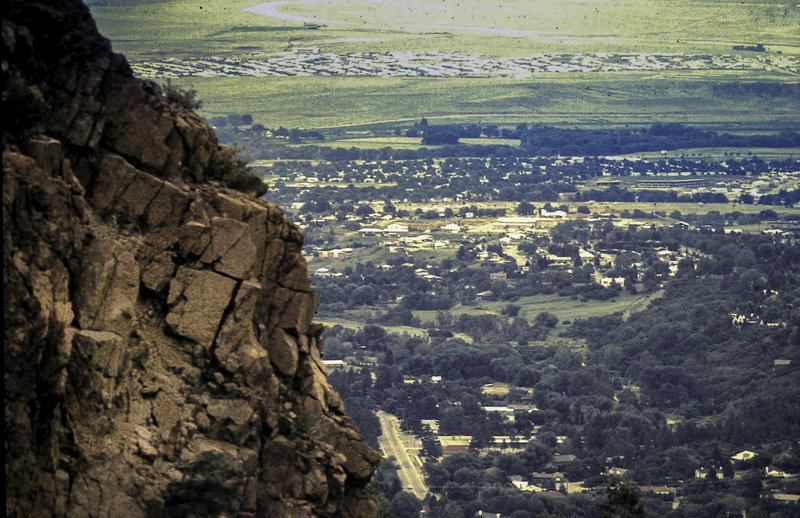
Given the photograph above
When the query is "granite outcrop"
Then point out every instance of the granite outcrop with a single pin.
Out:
(160, 353)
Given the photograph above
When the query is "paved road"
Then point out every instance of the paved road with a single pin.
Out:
(410, 472)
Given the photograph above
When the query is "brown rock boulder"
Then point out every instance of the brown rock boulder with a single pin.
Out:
(198, 299)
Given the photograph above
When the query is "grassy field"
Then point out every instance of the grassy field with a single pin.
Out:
(505, 28)
(565, 308)
(724, 153)
(490, 141)
(683, 208)
(354, 324)
(378, 142)
(412, 142)
(598, 98)
(155, 29)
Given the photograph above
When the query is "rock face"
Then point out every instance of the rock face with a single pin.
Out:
(160, 355)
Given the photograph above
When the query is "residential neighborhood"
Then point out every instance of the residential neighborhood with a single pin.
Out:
(307, 61)
(458, 262)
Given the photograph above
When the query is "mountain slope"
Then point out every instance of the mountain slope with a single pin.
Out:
(160, 354)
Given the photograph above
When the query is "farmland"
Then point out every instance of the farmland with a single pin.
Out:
(594, 63)
(585, 99)
(512, 29)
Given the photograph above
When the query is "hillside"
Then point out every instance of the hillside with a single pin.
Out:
(160, 355)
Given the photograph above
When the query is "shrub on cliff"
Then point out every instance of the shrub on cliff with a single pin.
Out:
(181, 96)
(24, 109)
(231, 170)
(224, 164)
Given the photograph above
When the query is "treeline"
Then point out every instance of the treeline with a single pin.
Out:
(614, 193)
(783, 197)
(230, 128)
(535, 140)
(453, 132)
(560, 146)
(548, 140)
(545, 140)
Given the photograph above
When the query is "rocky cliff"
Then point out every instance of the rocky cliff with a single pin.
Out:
(160, 355)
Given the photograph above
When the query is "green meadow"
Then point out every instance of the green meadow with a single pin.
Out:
(599, 98)
(504, 28)
(565, 308)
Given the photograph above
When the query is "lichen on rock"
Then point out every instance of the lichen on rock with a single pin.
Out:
(158, 325)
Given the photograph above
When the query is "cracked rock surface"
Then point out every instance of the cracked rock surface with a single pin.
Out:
(160, 356)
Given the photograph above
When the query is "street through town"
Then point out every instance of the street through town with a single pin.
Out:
(391, 443)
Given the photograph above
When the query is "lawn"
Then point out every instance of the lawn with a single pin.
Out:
(569, 309)
(565, 308)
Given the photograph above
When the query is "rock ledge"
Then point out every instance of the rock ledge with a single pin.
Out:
(160, 354)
